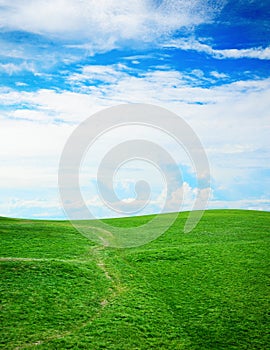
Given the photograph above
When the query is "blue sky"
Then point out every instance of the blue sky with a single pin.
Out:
(63, 60)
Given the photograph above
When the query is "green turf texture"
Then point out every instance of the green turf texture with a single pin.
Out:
(207, 289)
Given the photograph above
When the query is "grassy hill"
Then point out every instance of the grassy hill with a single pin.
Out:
(207, 289)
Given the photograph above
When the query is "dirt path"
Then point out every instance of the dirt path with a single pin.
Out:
(111, 274)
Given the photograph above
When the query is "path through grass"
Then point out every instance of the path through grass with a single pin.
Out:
(208, 289)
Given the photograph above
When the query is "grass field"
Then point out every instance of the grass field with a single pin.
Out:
(208, 289)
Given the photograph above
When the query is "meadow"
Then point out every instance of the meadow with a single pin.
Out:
(207, 289)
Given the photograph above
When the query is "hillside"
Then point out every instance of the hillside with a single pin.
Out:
(207, 289)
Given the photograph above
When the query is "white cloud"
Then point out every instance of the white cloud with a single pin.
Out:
(192, 44)
(232, 120)
(233, 124)
(230, 110)
(257, 52)
(105, 74)
(20, 138)
(47, 105)
(30, 154)
(39, 207)
(12, 68)
(34, 203)
(182, 199)
(105, 23)
(218, 75)
(186, 194)
(248, 204)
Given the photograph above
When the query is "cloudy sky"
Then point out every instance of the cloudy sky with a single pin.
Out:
(62, 60)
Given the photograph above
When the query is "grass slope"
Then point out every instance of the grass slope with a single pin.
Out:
(202, 290)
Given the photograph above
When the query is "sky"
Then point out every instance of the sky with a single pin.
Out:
(63, 60)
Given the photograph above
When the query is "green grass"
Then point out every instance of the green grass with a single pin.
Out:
(207, 289)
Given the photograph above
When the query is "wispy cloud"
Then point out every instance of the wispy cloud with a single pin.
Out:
(11, 68)
(101, 23)
(98, 73)
(194, 45)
